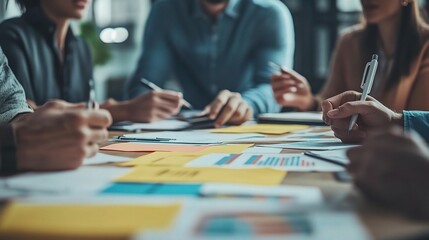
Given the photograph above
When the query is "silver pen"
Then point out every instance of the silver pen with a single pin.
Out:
(91, 104)
(366, 85)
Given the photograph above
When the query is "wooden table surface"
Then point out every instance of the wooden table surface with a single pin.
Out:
(381, 223)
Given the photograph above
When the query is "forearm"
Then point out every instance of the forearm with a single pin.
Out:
(8, 163)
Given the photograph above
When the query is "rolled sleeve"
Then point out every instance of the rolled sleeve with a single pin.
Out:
(417, 121)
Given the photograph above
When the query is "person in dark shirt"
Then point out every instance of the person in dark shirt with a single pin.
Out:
(52, 63)
(34, 141)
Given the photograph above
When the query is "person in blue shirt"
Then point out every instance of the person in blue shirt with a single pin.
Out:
(392, 165)
(219, 51)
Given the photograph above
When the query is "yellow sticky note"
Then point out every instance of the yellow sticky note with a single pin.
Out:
(180, 158)
(157, 174)
(163, 159)
(269, 129)
(43, 221)
(229, 148)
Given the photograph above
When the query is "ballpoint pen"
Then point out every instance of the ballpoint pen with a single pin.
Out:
(366, 85)
(153, 86)
(91, 104)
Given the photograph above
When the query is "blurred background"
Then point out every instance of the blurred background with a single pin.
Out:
(114, 29)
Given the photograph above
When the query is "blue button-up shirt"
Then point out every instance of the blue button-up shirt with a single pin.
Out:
(208, 56)
(417, 121)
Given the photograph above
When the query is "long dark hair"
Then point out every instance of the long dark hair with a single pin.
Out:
(27, 4)
(408, 44)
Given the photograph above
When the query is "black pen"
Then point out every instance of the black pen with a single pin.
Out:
(154, 87)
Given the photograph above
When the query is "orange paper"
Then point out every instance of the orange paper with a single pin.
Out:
(140, 147)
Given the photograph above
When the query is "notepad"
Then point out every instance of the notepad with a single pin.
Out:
(307, 118)
(43, 221)
(154, 174)
(269, 129)
(143, 147)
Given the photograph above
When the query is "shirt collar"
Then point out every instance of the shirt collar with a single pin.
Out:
(231, 10)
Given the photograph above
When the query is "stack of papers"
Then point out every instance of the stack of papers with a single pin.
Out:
(165, 125)
(307, 118)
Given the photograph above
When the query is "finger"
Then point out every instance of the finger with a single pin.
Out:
(240, 115)
(287, 89)
(351, 108)
(342, 98)
(91, 150)
(326, 107)
(284, 82)
(98, 135)
(292, 74)
(99, 118)
(228, 111)
(219, 103)
(170, 95)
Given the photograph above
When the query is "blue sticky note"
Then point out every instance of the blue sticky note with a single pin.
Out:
(152, 189)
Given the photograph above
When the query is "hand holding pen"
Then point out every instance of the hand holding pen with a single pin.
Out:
(291, 89)
(154, 87)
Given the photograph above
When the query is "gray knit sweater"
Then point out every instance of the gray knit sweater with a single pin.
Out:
(12, 96)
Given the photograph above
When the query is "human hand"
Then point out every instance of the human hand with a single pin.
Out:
(229, 107)
(59, 137)
(338, 110)
(392, 168)
(149, 107)
(292, 90)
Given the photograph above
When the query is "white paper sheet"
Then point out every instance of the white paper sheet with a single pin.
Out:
(337, 156)
(85, 180)
(288, 162)
(192, 137)
(263, 150)
(294, 194)
(249, 220)
(102, 158)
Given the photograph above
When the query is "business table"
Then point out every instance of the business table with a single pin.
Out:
(380, 223)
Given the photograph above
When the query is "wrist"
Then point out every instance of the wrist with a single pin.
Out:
(398, 119)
